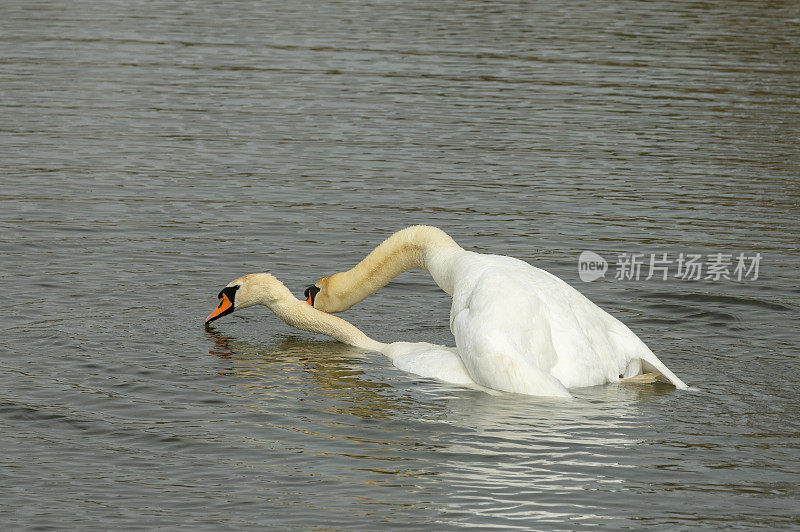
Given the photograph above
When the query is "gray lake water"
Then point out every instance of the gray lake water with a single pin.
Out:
(153, 151)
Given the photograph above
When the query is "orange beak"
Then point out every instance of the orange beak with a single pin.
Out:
(309, 300)
(224, 305)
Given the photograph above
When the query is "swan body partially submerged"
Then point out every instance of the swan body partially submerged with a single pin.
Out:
(517, 328)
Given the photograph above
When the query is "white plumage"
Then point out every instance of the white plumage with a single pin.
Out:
(517, 328)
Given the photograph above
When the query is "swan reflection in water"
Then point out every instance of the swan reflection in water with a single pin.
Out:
(403, 437)
(284, 368)
(366, 385)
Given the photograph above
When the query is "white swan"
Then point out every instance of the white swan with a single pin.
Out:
(517, 328)
(419, 358)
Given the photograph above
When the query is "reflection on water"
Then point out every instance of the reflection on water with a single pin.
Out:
(336, 371)
(474, 444)
(153, 151)
(327, 370)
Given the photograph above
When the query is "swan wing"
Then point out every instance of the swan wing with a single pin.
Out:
(501, 346)
(617, 351)
(516, 324)
(494, 360)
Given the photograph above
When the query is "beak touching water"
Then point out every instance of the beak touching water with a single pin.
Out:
(225, 307)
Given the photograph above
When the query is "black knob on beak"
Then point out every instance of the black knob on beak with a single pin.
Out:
(310, 293)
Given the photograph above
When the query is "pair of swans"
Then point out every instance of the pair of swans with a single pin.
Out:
(517, 328)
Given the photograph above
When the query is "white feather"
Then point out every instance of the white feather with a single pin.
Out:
(517, 328)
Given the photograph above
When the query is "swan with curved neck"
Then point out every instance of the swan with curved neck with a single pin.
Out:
(419, 358)
(517, 328)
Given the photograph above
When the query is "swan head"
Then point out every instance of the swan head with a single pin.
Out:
(322, 295)
(249, 290)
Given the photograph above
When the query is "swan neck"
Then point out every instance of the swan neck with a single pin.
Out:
(302, 316)
(413, 247)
